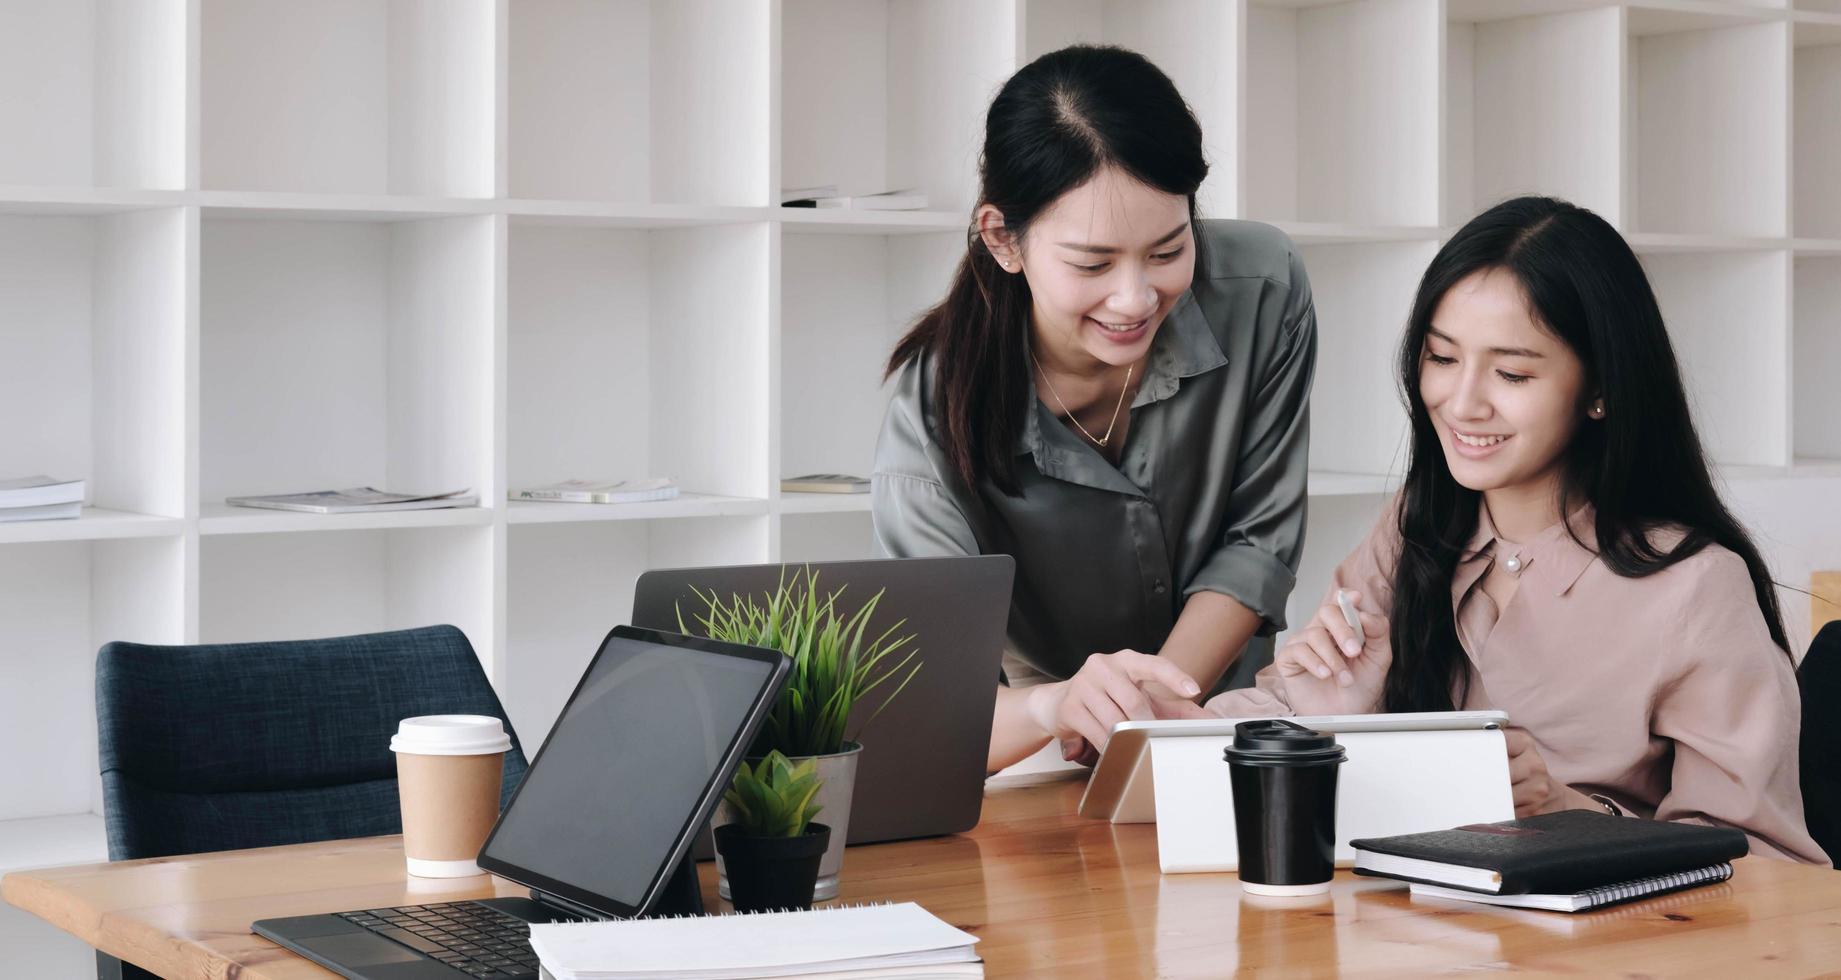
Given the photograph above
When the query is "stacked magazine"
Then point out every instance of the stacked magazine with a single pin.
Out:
(601, 491)
(357, 500)
(40, 498)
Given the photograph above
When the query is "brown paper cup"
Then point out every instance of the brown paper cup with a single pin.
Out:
(448, 772)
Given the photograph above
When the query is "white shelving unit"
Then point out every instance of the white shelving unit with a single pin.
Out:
(251, 246)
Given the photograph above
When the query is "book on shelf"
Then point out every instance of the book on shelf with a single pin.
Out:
(1568, 861)
(42, 512)
(908, 200)
(824, 483)
(801, 197)
(842, 942)
(601, 491)
(33, 492)
(902, 200)
(356, 500)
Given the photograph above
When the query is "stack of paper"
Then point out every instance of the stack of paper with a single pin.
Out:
(357, 500)
(40, 498)
(874, 941)
(824, 483)
(601, 491)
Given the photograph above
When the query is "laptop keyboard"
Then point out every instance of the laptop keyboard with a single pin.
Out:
(475, 939)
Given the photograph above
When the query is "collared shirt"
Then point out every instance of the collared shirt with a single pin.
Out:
(1209, 492)
(1663, 693)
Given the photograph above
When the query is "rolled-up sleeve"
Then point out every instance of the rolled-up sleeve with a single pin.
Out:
(1728, 701)
(1256, 561)
(1369, 568)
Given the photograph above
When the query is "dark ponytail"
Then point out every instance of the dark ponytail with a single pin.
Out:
(1054, 124)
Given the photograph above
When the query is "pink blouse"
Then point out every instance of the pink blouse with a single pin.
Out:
(1663, 693)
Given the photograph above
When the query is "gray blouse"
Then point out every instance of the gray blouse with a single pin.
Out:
(1209, 494)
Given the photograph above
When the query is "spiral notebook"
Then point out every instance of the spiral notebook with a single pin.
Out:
(855, 942)
(1570, 861)
(1590, 899)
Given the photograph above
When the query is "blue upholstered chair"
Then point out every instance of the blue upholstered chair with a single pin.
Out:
(211, 748)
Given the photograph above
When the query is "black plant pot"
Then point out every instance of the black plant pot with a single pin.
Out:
(767, 873)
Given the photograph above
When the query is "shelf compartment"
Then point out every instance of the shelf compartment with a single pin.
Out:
(1184, 38)
(348, 96)
(1707, 117)
(568, 584)
(1817, 126)
(1364, 294)
(881, 95)
(257, 587)
(1517, 126)
(639, 353)
(844, 302)
(95, 93)
(92, 316)
(1728, 320)
(1816, 349)
(341, 354)
(599, 93)
(841, 536)
(1342, 122)
(59, 602)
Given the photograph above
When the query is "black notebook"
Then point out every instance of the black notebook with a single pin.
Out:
(1570, 853)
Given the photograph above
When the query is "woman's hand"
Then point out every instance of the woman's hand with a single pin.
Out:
(1534, 789)
(1110, 688)
(1329, 670)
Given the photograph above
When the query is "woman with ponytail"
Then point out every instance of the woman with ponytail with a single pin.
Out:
(1114, 393)
(1559, 550)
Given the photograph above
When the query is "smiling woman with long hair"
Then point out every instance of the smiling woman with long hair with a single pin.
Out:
(1559, 550)
(1114, 393)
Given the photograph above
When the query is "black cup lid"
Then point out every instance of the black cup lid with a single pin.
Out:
(1276, 741)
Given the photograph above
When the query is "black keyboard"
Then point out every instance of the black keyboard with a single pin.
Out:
(475, 939)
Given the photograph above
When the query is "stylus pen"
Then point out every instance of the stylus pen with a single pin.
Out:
(1349, 615)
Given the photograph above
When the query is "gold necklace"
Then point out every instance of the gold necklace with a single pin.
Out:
(1070, 413)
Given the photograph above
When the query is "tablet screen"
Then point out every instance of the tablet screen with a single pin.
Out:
(633, 755)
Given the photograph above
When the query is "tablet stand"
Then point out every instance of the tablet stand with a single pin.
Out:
(683, 895)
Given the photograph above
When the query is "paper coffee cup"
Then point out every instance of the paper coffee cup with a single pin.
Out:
(448, 772)
(1284, 783)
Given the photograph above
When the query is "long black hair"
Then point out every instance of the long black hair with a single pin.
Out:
(1641, 466)
(1057, 122)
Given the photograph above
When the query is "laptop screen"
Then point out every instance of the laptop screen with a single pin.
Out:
(654, 722)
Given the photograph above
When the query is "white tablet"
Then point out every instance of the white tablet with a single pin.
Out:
(1403, 773)
(1119, 767)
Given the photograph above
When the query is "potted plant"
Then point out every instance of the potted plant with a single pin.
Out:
(837, 663)
(771, 846)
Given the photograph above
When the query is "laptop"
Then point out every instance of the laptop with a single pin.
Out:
(600, 827)
(922, 770)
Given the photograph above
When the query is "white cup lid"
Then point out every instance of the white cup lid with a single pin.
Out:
(450, 735)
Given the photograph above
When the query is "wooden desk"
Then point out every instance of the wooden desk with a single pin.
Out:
(1050, 894)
